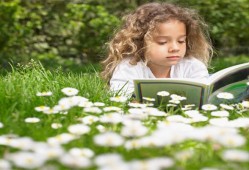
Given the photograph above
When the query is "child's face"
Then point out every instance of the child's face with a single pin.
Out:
(167, 45)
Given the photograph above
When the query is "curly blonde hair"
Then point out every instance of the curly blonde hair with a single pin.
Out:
(129, 41)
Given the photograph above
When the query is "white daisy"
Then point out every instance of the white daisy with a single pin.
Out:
(78, 129)
(242, 122)
(171, 105)
(192, 113)
(132, 144)
(63, 138)
(209, 168)
(99, 104)
(177, 97)
(120, 99)
(5, 165)
(195, 116)
(69, 91)
(227, 107)
(51, 111)
(23, 143)
(32, 120)
(235, 155)
(188, 107)
(136, 111)
(137, 105)
(101, 128)
(107, 159)
(162, 162)
(85, 104)
(153, 112)
(134, 130)
(42, 108)
(142, 164)
(56, 125)
(136, 115)
(199, 118)
(163, 93)
(184, 155)
(7, 139)
(116, 166)
(157, 113)
(178, 118)
(154, 163)
(85, 152)
(220, 113)
(113, 118)
(111, 139)
(47, 151)
(209, 107)
(225, 95)
(151, 142)
(70, 101)
(26, 160)
(245, 104)
(234, 140)
(112, 108)
(88, 120)
(64, 112)
(223, 121)
(61, 107)
(175, 101)
(92, 110)
(75, 161)
(48, 93)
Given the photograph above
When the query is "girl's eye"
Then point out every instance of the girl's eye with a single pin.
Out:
(162, 43)
(182, 41)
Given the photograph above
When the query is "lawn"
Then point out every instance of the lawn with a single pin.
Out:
(51, 120)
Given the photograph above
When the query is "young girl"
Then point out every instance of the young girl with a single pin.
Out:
(157, 40)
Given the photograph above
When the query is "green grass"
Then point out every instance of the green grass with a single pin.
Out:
(219, 63)
(18, 100)
(19, 87)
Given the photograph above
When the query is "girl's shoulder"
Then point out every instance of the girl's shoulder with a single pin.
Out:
(126, 63)
(127, 71)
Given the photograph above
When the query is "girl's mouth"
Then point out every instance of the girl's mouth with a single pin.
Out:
(173, 57)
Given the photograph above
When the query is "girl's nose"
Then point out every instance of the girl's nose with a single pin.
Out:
(174, 47)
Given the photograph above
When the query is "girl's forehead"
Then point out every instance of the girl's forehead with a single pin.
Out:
(170, 27)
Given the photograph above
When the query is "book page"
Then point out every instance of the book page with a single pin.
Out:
(225, 73)
(239, 89)
(194, 91)
(232, 80)
(233, 77)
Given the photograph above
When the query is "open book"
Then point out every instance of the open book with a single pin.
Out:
(233, 79)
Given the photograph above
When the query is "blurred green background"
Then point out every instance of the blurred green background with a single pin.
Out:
(72, 34)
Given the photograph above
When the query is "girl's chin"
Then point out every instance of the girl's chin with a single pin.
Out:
(174, 62)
